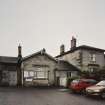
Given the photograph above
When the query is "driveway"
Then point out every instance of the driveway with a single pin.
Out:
(44, 96)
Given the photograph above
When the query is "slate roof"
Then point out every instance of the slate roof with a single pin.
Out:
(85, 47)
(42, 52)
(65, 66)
(6, 59)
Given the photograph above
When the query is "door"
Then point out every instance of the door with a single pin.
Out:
(12, 78)
(0, 76)
(63, 81)
(58, 81)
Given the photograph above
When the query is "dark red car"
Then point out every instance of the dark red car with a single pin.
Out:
(79, 85)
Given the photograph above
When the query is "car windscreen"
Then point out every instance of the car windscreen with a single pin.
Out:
(101, 83)
(89, 81)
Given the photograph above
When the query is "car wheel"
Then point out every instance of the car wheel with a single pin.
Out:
(73, 91)
(83, 92)
(103, 95)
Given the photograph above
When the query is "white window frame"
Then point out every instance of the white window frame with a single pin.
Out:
(92, 57)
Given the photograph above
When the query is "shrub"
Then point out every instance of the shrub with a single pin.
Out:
(97, 75)
(70, 79)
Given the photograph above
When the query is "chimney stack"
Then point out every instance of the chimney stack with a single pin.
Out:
(19, 70)
(62, 49)
(19, 51)
(73, 42)
(43, 51)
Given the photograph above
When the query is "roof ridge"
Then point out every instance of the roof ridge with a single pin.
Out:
(8, 56)
(31, 54)
(39, 52)
(79, 47)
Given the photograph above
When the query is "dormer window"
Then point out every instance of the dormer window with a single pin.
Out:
(92, 57)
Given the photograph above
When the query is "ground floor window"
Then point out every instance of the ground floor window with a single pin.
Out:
(36, 74)
(5, 76)
(68, 74)
(42, 74)
(25, 73)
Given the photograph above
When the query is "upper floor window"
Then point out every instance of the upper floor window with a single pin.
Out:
(93, 57)
(93, 69)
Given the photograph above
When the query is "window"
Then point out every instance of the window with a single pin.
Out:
(93, 69)
(31, 73)
(25, 73)
(28, 73)
(93, 57)
(42, 74)
(5, 76)
(69, 74)
(38, 73)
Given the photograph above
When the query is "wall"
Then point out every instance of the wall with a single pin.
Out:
(73, 58)
(80, 58)
(8, 74)
(100, 60)
(40, 60)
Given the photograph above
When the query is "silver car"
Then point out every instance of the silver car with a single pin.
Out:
(98, 89)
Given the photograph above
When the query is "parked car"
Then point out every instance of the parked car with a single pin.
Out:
(79, 85)
(98, 89)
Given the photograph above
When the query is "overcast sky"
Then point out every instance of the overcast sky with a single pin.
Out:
(38, 24)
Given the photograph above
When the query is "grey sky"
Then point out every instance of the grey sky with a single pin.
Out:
(38, 24)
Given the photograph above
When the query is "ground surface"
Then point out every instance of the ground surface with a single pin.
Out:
(44, 96)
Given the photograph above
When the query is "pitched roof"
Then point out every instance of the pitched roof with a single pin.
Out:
(42, 52)
(85, 47)
(6, 59)
(91, 48)
(65, 66)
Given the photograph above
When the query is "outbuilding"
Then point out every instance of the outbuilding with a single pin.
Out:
(39, 69)
(8, 71)
(65, 70)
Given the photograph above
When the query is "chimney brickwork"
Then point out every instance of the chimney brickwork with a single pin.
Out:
(62, 49)
(73, 43)
(19, 71)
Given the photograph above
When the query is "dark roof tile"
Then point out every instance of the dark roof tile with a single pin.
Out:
(6, 59)
(66, 66)
(40, 52)
(85, 47)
